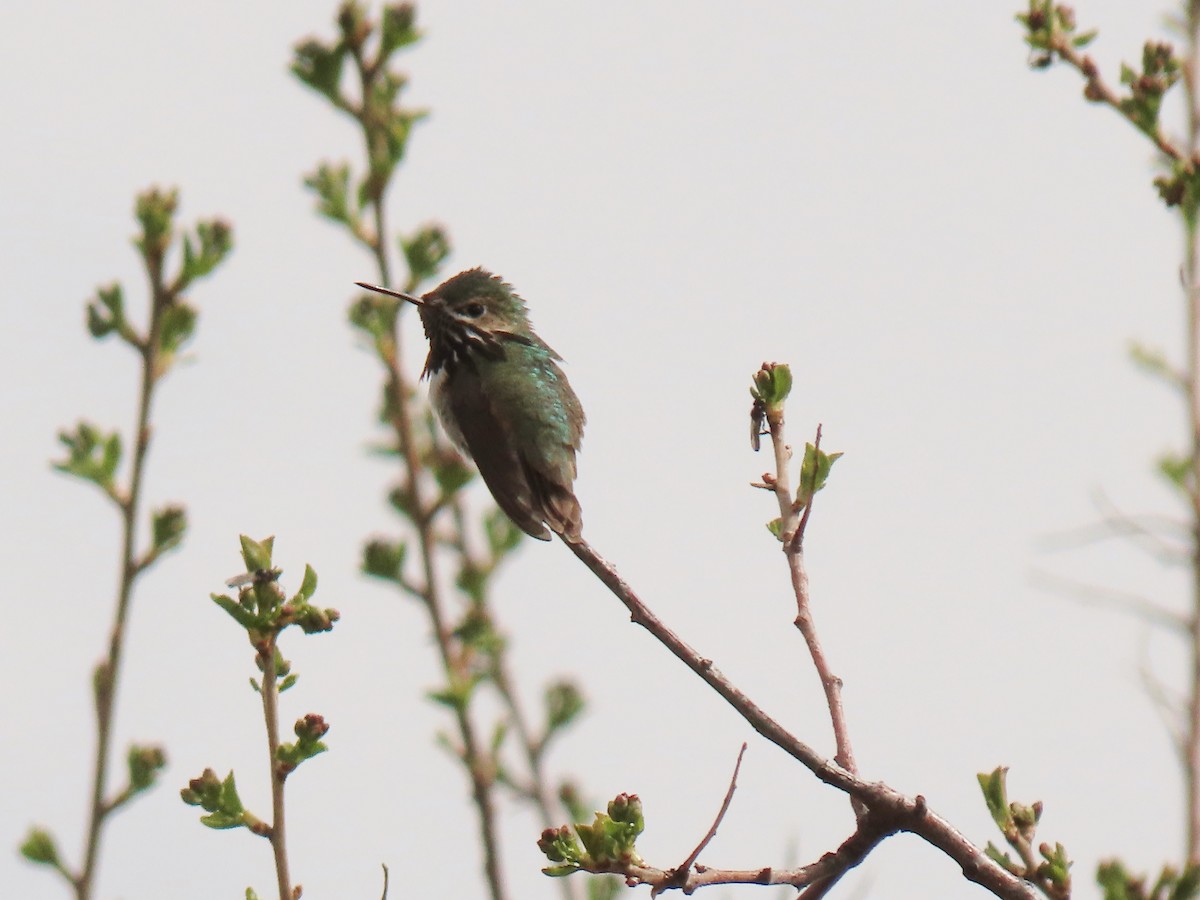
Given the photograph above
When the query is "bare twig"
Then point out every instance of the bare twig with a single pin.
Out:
(1171, 710)
(1122, 601)
(791, 533)
(1145, 532)
(400, 394)
(1191, 269)
(278, 831)
(887, 807)
(108, 671)
(680, 872)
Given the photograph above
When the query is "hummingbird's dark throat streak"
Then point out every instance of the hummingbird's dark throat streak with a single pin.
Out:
(502, 398)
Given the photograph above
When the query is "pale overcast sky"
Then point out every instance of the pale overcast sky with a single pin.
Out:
(952, 251)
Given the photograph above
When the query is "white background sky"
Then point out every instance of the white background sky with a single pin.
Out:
(953, 252)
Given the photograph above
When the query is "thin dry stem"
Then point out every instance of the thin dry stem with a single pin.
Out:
(1170, 709)
(1111, 598)
(680, 872)
(888, 810)
(1191, 277)
(278, 831)
(792, 535)
(108, 672)
(531, 748)
(1163, 538)
(429, 592)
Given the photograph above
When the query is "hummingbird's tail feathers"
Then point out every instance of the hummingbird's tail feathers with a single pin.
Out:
(520, 506)
(564, 516)
(554, 503)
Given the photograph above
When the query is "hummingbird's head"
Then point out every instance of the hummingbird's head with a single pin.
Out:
(475, 312)
(474, 302)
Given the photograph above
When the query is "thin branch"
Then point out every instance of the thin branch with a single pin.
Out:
(1171, 710)
(1191, 268)
(680, 872)
(884, 803)
(278, 831)
(531, 747)
(400, 393)
(108, 672)
(1098, 91)
(1144, 532)
(1122, 601)
(797, 542)
(792, 534)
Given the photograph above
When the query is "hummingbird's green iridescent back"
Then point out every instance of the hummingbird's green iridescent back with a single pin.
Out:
(502, 398)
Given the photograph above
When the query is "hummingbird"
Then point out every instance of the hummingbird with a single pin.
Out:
(502, 399)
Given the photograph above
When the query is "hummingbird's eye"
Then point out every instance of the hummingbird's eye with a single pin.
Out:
(473, 310)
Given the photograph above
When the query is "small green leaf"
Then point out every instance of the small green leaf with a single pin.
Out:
(1187, 885)
(167, 527)
(287, 682)
(144, 764)
(39, 847)
(155, 211)
(397, 29)
(457, 693)
(478, 632)
(1154, 362)
(331, 184)
(452, 475)
(499, 733)
(214, 240)
(472, 581)
(309, 731)
(404, 502)
(240, 614)
(1001, 858)
(384, 559)
(91, 455)
(257, 554)
(775, 526)
(995, 794)
(1176, 469)
(178, 326)
(1056, 868)
(106, 314)
(425, 251)
(772, 384)
(610, 839)
(564, 702)
(219, 798)
(814, 473)
(376, 315)
(560, 846)
(502, 535)
(320, 66)
(309, 586)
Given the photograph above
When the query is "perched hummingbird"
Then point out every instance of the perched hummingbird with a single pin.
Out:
(500, 395)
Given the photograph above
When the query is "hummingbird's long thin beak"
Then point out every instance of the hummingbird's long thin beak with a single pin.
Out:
(382, 290)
